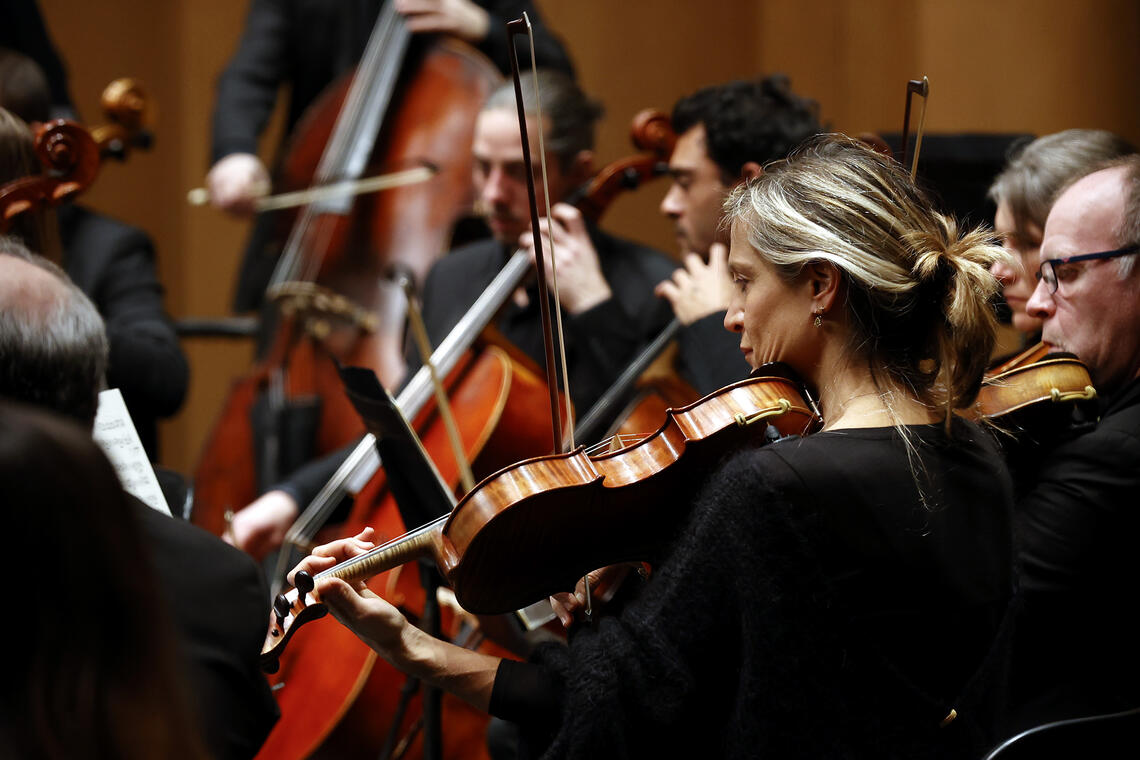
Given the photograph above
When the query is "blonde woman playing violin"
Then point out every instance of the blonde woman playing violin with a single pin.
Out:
(836, 595)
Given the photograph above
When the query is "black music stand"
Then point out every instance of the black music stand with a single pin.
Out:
(421, 497)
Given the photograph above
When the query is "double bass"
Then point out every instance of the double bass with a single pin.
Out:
(410, 103)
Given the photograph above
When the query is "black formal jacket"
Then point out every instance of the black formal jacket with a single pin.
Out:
(113, 263)
(1077, 532)
(220, 608)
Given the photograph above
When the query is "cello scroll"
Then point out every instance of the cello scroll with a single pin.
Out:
(70, 159)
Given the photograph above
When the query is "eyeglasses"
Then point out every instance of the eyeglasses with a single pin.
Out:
(1047, 271)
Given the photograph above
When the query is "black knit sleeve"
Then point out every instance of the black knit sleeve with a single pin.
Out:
(672, 657)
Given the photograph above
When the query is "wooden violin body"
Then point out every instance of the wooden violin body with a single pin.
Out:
(1033, 385)
(547, 510)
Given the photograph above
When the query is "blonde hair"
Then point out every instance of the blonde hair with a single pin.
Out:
(917, 289)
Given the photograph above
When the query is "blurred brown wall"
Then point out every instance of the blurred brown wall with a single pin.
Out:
(994, 65)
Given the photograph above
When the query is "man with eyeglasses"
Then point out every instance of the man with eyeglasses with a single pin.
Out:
(1078, 645)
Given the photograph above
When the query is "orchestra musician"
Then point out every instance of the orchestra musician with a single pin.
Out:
(307, 44)
(605, 283)
(725, 135)
(1076, 642)
(112, 262)
(1024, 191)
(53, 355)
(837, 595)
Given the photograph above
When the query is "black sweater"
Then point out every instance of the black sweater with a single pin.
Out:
(813, 606)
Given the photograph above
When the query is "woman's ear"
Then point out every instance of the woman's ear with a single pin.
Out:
(823, 280)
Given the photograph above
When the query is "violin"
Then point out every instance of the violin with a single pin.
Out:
(528, 531)
(1034, 384)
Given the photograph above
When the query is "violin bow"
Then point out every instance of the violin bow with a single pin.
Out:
(515, 28)
(561, 443)
(922, 89)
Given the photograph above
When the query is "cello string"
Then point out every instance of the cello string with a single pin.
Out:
(568, 432)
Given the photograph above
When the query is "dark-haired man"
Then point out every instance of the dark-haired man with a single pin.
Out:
(725, 134)
(53, 354)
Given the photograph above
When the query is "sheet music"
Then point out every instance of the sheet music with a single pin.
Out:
(116, 435)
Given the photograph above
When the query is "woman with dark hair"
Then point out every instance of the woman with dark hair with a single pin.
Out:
(838, 595)
(92, 671)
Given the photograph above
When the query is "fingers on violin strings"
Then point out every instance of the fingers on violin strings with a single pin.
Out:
(311, 565)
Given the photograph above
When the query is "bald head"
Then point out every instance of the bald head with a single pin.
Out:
(1096, 307)
(53, 348)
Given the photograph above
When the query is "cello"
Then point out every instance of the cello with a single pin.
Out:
(409, 103)
(330, 703)
(651, 134)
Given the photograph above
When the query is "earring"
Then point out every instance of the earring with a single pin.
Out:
(818, 321)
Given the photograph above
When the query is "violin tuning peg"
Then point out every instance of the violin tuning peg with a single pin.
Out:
(304, 584)
(281, 607)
